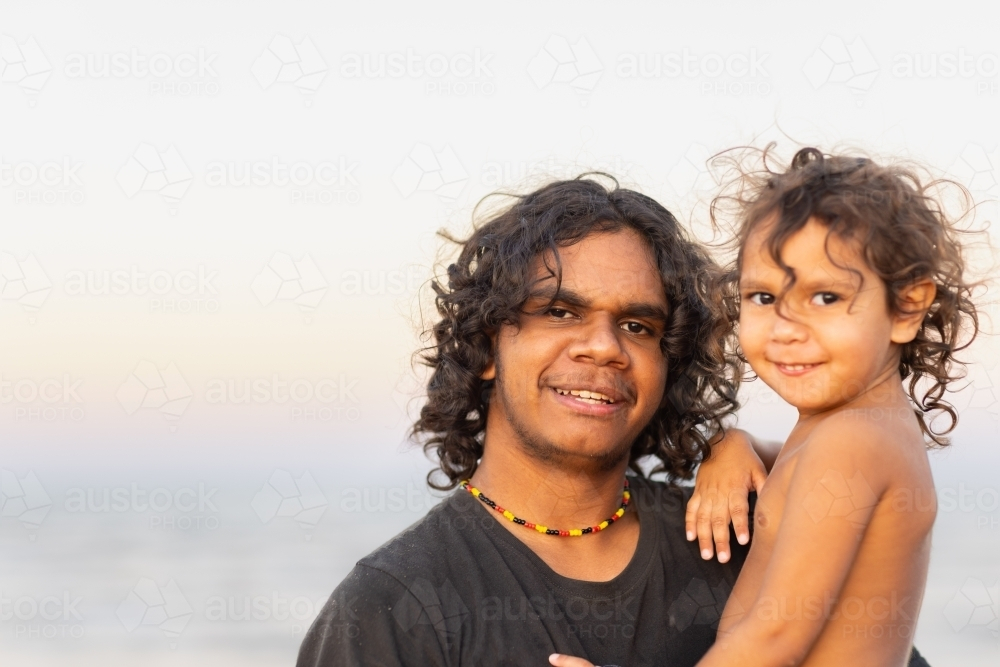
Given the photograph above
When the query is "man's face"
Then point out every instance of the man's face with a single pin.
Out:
(581, 378)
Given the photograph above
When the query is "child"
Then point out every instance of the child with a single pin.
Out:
(851, 302)
(850, 282)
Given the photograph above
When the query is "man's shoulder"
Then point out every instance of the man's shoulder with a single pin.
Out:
(666, 500)
(445, 535)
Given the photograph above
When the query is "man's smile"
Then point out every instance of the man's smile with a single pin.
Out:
(585, 395)
(596, 402)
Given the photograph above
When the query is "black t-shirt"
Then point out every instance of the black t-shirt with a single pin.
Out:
(457, 588)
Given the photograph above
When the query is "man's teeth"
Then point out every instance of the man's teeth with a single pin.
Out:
(586, 396)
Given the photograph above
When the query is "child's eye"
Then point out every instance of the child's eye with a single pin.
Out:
(825, 298)
(761, 298)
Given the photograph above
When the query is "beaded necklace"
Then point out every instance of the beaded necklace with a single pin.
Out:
(576, 532)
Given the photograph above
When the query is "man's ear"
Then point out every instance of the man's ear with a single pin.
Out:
(490, 372)
(914, 302)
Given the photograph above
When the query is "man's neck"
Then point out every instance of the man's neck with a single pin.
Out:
(564, 497)
(549, 493)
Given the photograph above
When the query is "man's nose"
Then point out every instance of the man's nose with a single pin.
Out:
(599, 343)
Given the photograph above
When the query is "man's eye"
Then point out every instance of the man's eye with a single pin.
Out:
(825, 298)
(761, 298)
(559, 313)
(635, 327)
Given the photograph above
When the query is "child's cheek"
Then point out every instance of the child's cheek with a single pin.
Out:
(753, 336)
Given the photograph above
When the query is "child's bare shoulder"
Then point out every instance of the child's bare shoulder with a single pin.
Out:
(883, 444)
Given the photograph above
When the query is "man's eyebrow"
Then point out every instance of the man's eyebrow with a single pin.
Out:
(649, 311)
(568, 297)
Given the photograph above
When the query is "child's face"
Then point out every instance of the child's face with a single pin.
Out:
(831, 337)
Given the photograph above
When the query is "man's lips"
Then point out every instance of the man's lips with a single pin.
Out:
(587, 406)
(593, 399)
(586, 395)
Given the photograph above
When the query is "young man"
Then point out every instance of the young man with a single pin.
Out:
(577, 335)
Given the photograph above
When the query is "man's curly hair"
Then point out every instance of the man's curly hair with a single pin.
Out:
(488, 285)
(899, 222)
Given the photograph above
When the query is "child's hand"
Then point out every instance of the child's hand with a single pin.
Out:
(720, 494)
(560, 660)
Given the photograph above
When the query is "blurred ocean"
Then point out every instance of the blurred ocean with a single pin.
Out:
(215, 566)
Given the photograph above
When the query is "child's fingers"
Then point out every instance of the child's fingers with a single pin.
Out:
(704, 527)
(720, 530)
(560, 660)
(758, 476)
(691, 514)
(739, 510)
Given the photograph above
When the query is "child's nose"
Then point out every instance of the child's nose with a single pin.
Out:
(786, 330)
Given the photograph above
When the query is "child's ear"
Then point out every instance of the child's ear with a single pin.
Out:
(914, 302)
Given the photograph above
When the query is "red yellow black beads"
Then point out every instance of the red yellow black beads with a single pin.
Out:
(576, 532)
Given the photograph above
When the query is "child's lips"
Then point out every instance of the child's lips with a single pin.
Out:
(795, 369)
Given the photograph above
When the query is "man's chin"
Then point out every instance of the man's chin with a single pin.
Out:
(578, 453)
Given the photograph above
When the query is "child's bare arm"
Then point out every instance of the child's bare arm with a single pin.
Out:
(724, 481)
(832, 496)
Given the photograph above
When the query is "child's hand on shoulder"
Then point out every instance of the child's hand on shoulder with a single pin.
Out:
(559, 660)
(721, 489)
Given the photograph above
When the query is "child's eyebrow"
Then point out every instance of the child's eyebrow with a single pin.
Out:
(826, 283)
(754, 284)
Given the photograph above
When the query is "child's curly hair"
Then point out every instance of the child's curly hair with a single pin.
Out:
(902, 229)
